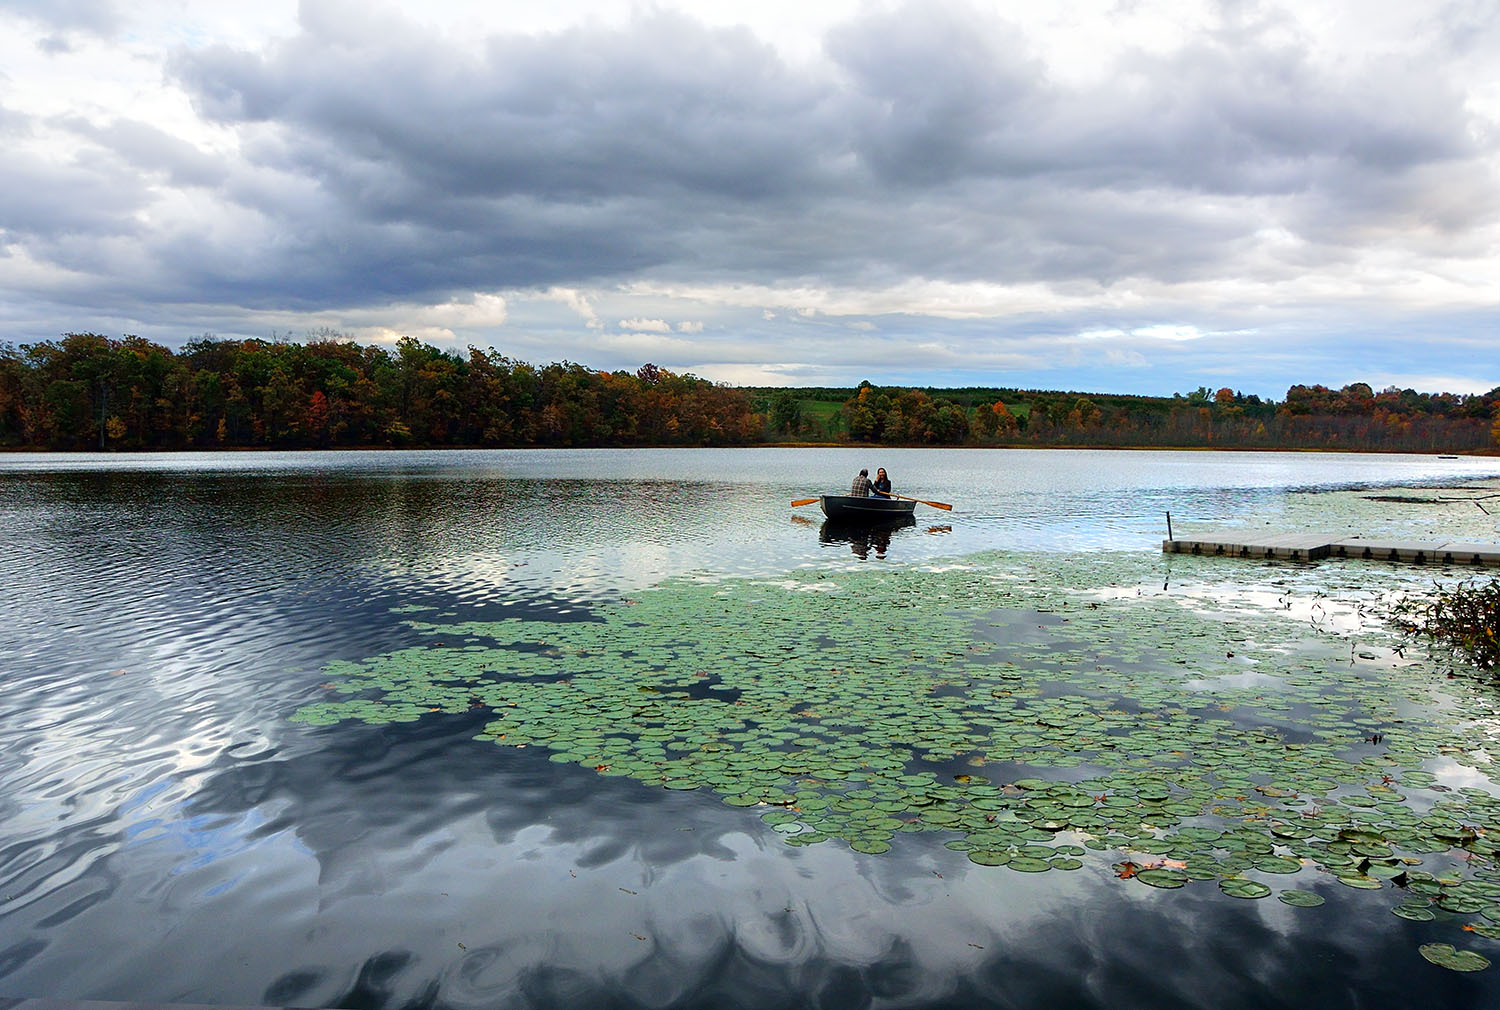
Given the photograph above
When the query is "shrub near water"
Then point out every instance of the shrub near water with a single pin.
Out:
(1466, 617)
(1028, 709)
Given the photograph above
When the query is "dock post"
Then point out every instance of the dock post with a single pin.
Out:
(1169, 527)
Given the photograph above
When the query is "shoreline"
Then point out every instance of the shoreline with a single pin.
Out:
(34, 450)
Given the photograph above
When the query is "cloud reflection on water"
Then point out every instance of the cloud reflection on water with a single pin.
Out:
(166, 834)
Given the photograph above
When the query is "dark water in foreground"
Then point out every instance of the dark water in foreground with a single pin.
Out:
(167, 834)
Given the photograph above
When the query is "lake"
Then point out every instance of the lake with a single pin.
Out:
(621, 728)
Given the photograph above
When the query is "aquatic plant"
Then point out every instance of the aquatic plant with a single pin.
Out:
(1465, 617)
(1028, 708)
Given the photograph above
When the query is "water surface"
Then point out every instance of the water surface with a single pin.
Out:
(168, 833)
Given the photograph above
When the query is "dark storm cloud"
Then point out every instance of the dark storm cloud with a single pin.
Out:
(382, 161)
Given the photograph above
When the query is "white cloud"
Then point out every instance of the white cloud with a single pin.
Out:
(646, 325)
(1470, 384)
(1168, 331)
(576, 301)
(1125, 359)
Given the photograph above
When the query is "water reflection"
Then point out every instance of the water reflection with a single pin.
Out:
(411, 866)
(166, 834)
(863, 538)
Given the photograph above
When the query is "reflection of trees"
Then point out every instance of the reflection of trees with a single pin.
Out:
(269, 532)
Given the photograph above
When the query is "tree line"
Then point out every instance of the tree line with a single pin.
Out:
(1355, 417)
(87, 391)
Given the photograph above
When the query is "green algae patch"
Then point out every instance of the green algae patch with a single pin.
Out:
(1030, 708)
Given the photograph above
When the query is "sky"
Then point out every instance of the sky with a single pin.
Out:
(1131, 196)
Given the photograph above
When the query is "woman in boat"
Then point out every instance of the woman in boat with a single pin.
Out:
(881, 486)
(861, 486)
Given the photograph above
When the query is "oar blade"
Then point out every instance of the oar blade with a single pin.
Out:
(803, 501)
(939, 505)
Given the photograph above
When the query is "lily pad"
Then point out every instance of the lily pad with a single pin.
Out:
(1416, 913)
(1444, 955)
(1301, 899)
(1162, 878)
(1243, 887)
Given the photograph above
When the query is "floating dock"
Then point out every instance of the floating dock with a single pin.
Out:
(1312, 546)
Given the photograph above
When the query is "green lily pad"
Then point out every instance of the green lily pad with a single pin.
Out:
(1463, 904)
(1243, 887)
(1278, 864)
(1416, 913)
(1444, 955)
(1162, 878)
(1301, 899)
(1028, 864)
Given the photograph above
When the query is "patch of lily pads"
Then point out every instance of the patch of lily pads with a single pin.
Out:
(1026, 708)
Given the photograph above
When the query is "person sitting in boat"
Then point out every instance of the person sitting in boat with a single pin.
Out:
(881, 486)
(861, 486)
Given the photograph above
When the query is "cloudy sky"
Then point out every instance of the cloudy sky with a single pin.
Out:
(1116, 195)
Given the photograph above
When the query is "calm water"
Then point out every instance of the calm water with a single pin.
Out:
(167, 834)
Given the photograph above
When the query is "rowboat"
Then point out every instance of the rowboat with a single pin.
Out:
(849, 508)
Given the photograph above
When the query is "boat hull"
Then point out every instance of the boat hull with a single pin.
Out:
(847, 508)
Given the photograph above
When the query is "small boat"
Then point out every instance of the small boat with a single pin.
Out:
(848, 508)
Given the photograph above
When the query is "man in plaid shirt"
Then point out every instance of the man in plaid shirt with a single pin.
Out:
(861, 486)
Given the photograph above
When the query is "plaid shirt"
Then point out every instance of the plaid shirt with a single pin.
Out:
(860, 488)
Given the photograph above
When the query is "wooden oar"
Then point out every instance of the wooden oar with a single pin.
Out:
(803, 501)
(935, 504)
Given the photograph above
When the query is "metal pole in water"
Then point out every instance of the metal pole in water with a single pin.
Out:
(1169, 527)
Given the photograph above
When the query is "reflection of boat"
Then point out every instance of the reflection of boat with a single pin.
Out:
(865, 535)
(847, 508)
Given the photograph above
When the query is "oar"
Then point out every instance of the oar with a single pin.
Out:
(803, 501)
(935, 504)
